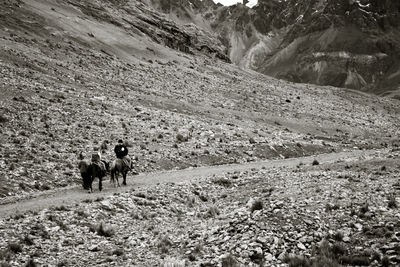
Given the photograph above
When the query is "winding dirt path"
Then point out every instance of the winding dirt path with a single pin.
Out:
(76, 194)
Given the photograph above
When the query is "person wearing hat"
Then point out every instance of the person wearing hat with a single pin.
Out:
(121, 151)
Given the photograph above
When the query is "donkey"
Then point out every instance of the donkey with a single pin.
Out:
(89, 171)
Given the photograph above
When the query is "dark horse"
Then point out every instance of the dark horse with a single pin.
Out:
(89, 171)
(118, 166)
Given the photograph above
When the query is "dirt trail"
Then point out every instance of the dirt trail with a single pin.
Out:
(68, 196)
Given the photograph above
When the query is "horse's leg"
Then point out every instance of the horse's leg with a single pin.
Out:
(112, 179)
(116, 177)
(100, 183)
(90, 181)
(124, 177)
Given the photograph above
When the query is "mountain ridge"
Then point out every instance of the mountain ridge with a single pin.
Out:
(258, 37)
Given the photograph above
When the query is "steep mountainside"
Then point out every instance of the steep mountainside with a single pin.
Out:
(347, 43)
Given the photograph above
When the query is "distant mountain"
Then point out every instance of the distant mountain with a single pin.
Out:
(343, 43)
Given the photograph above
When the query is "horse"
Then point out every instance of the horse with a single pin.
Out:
(118, 166)
(89, 171)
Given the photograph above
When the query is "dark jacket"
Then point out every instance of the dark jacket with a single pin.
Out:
(120, 151)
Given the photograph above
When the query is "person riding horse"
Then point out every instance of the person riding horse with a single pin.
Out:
(121, 151)
(96, 159)
(91, 169)
(122, 165)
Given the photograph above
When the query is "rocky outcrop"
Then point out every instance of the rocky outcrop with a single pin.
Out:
(135, 16)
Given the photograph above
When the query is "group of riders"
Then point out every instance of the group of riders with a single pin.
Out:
(98, 167)
(121, 152)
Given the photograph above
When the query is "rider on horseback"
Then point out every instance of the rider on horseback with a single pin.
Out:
(96, 159)
(121, 151)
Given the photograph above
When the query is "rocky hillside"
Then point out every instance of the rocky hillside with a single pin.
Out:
(353, 44)
(340, 214)
(76, 76)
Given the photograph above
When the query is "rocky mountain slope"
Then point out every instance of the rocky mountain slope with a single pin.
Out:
(347, 43)
(339, 214)
(76, 76)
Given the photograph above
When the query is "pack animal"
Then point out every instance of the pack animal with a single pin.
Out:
(89, 171)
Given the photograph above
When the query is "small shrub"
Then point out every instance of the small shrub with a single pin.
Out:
(62, 225)
(212, 212)
(315, 162)
(92, 228)
(392, 204)
(118, 252)
(222, 181)
(296, 261)
(385, 261)
(191, 201)
(364, 209)
(353, 212)
(81, 213)
(28, 240)
(18, 216)
(229, 261)
(105, 231)
(40, 230)
(338, 236)
(31, 263)
(62, 263)
(355, 260)
(203, 197)
(256, 205)
(61, 208)
(164, 244)
(3, 119)
(6, 254)
(15, 247)
(338, 249)
(45, 187)
(181, 138)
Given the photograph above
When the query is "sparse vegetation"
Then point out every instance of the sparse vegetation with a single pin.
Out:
(27, 239)
(222, 181)
(3, 119)
(164, 244)
(103, 230)
(118, 252)
(256, 205)
(15, 247)
(338, 236)
(392, 204)
(229, 261)
(212, 211)
(180, 138)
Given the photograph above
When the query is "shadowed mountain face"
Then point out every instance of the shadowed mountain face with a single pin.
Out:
(345, 43)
